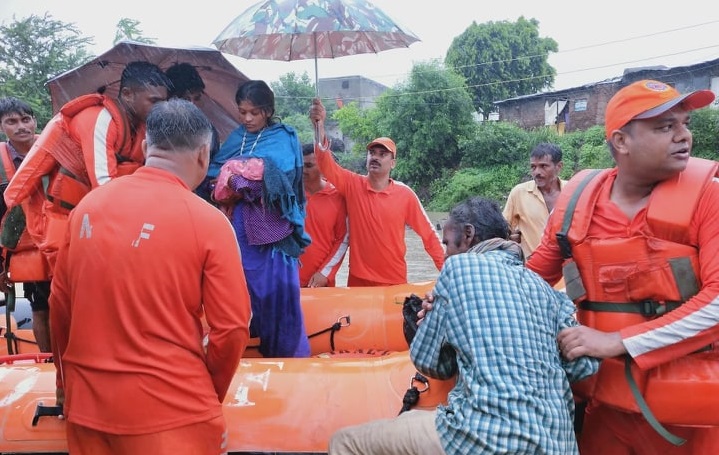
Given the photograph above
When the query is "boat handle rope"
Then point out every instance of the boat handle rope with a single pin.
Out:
(411, 396)
(343, 321)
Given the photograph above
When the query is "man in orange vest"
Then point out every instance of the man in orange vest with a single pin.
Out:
(18, 123)
(92, 140)
(638, 246)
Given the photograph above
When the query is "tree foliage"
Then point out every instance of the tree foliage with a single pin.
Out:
(301, 123)
(129, 29)
(33, 50)
(427, 118)
(293, 94)
(358, 124)
(501, 60)
(705, 130)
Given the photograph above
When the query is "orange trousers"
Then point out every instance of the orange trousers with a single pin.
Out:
(204, 438)
(608, 431)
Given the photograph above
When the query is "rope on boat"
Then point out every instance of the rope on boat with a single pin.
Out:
(411, 396)
(344, 321)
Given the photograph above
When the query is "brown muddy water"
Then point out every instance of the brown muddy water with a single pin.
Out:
(419, 265)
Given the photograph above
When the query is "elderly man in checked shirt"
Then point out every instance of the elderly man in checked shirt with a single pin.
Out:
(494, 323)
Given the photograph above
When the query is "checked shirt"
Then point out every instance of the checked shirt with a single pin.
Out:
(512, 393)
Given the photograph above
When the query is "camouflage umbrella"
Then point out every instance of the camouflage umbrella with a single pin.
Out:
(102, 75)
(311, 29)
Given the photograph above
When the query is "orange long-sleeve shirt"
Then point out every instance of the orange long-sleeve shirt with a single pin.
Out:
(377, 223)
(693, 325)
(326, 223)
(145, 260)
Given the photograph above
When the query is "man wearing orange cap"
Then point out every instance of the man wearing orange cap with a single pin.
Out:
(638, 248)
(378, 210)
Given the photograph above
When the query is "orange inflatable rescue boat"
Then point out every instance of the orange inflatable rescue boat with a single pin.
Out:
(360, 371)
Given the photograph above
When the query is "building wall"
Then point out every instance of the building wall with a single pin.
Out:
(586, 104)
(344, 90)
(351, 88)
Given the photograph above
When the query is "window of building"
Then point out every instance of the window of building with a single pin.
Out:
(345, 84)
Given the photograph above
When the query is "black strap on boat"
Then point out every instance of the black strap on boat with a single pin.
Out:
(9, 308)
(344, 321)
(644, 407)
(411, 396)
(647, 308)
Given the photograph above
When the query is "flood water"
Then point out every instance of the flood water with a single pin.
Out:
(419, 265)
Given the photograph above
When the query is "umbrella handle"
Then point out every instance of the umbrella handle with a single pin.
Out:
(317, 132)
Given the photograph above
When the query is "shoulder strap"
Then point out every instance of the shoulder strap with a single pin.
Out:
(674, 201)
(7, 167)
(77, 105)
(562, 235)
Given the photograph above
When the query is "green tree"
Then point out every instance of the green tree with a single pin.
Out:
(293, 94)
(427, 117)
(34, 49)
(358, 124)
(496, 143)
(705, 130)
(501, 60)
(129, 29)
(301, 123)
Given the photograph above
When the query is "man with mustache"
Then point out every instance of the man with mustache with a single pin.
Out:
(378, 208)
(18, 124)
(530, 203)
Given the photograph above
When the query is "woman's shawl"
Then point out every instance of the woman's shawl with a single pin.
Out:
(279, 146)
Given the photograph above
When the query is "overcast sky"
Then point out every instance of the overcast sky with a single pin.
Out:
(597, 40)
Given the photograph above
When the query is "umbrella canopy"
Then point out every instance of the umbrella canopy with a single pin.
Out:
(102, 75)
(311, 29)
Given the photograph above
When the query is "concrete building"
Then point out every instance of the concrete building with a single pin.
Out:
(344, 90)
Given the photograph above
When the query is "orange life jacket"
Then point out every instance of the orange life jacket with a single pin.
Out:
(619, 282)
(56, 162)
(24, 260)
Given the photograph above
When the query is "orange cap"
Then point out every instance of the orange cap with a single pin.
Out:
(386, 143)
(647, 99)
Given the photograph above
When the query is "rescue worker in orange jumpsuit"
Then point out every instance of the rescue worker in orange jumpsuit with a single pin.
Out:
(145, 264)
(92, 140)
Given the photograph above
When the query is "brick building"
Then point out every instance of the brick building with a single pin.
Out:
(579, 108)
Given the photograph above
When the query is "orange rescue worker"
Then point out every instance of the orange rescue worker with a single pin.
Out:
(326, 224)
(92, 140)
(145, 264)
(379, 209)
(22, 261)
(638, 245)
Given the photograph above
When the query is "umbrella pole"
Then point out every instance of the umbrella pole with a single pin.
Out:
(317, 88)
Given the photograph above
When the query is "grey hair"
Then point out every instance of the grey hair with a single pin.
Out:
(177, 125)
(484, 215)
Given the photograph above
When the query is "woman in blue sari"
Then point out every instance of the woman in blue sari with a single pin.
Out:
(260, 188)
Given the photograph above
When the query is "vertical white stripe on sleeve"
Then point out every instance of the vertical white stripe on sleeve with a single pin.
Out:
(100, 147)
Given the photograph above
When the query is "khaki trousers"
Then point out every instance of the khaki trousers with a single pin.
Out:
(411, 433)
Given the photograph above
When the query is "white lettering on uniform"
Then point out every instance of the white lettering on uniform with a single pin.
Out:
(86, 227)
(147, 228)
